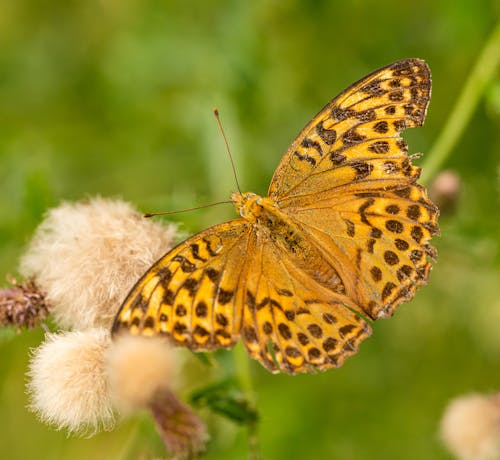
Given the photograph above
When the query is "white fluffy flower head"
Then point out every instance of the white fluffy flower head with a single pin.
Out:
(470, 427)
(138, 368)
(68, 383)
(88, 255)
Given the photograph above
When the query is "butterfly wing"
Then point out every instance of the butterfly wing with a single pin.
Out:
(362, 223)
(348, 182)
(291, 322)
(353, 143)
(377, 241)
(191, 294)
(229, 281)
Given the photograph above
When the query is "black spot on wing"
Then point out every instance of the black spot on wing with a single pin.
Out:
(379, 147)
(186, 265)
(363, 208)
(349, 227)
(224, 296)
(328, 136)
(208, 247)
(284, 292)
(213, 274)
(373, 88)
(195, 252)
(363, 170)
(191, 285)
(164, 274)
(306, 157)
(308, 143)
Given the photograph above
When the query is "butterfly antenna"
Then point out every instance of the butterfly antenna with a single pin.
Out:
(217, 117)
(151, 214)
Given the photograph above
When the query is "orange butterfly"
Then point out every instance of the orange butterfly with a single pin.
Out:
(341, 239)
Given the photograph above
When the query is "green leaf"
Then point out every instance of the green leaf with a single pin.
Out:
(206, 358)
(226, 398)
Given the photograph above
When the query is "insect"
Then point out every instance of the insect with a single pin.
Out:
(340, 240)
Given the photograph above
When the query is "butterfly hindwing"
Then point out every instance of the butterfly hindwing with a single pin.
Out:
(291, 323)
(190, 294)
(380, 240)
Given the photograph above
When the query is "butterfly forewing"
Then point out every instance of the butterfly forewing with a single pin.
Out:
(348, 182)
(190, 294)
(355, 138)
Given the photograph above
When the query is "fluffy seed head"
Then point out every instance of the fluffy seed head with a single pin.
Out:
(139, 368)
(470, 427)
(67, 381)
(88, 255)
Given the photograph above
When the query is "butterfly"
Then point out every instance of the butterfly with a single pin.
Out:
(341, 240)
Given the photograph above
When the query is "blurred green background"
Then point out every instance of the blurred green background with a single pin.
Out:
(115, 98)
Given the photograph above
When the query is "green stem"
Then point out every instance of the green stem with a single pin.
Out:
(253, 442)
(481, 74)
(242, 363)
(243, 371)
(130, 441)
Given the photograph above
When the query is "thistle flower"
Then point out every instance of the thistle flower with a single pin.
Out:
(470, 427)
(141, 372)
(88, 255)
(138, 368)
(445, 190)
(68, 383)
(22, 305)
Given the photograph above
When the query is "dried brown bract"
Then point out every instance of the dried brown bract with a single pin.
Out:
(182, 431)
(23, 305)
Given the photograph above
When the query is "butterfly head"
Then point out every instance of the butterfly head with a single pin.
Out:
(247, 204)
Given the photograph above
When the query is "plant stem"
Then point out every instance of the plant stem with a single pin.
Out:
(481, 74)
(243, 371)
(242, 363)
(130, 441)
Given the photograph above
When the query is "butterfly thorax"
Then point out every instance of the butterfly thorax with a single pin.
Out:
(268, 220)
(261, 211)
(266, 216)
